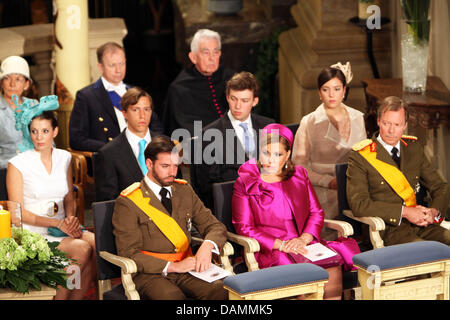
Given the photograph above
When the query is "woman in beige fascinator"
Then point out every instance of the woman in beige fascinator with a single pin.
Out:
(326, 135)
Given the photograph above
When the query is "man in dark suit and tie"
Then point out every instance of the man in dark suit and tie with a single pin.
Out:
(239, 130)
(97, 117)
(121, 162)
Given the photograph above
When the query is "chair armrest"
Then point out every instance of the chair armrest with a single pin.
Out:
(250, 247)
(375, 223)
(127, 265)
(249, 244)
(87, 154)
(343, 228)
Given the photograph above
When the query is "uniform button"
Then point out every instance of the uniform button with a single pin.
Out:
(105, 129)
(382, 182)
(100, 119)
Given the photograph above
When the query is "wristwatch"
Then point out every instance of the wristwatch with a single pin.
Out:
(438, 219)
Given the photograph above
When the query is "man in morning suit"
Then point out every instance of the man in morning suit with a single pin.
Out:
(122, 162)
(386, 172)
(97, 117)
(152, 221)
(239, 129)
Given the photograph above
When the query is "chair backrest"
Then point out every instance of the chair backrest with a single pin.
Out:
(341, 178)
(104, 238)
(293, 127)
(3, 192)
(222, 194)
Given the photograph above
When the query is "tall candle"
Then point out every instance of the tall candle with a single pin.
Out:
(5, 224)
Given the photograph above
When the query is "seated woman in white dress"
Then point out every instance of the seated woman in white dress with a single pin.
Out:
(326, 136)
(40, 179)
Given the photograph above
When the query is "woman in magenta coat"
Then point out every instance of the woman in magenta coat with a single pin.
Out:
(275, 203)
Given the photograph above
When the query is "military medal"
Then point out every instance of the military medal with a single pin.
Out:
(189, 224)
(417, 188)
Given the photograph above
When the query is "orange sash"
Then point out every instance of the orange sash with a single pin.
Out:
(172, 257)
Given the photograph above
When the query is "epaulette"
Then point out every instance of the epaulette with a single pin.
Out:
(409, 137)
(362, 144)
(130, 189)
(180, 181)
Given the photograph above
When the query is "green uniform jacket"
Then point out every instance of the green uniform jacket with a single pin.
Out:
(369, 194)
(135, 231)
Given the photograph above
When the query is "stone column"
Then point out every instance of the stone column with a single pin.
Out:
(324, 36)
(72, 58)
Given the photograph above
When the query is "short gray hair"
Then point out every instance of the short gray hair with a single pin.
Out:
(202, 34)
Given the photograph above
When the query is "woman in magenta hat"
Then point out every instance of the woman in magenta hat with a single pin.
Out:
(275, 203)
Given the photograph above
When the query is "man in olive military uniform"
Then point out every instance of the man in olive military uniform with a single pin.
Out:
(385, 173)
(152, 222)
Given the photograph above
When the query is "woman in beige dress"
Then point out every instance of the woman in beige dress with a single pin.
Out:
(326, 135)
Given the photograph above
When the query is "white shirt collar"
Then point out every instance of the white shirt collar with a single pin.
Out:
(236, 123)
(388, 147)
(120, 88)
(133, 140)
(156, 188)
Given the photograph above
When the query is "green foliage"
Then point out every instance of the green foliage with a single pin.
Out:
(266, 71)
(415, 13)
(27, 260)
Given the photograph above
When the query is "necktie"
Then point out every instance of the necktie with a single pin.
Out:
(249, 144)
(166, 202)
(141, 156)
(395, 156)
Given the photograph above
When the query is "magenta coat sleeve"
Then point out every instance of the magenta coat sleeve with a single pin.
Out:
(314, 212)
(243, 219)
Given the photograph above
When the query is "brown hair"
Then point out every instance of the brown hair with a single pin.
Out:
(243, 81)
(109, 46)
(132, 96)
(392, 103)
(288, 170)
(159, 144)
(329, 73)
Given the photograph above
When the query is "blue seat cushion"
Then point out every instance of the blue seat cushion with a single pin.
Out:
(402, 255)
(275, 277)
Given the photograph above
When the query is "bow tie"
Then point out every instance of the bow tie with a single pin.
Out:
(119, 88)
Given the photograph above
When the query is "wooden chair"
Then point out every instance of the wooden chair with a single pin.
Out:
(376, 224)
(223, 193)
(80, 167)
(111, 266)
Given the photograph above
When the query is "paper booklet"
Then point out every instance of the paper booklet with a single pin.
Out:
(212, 274)
(318, 251)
